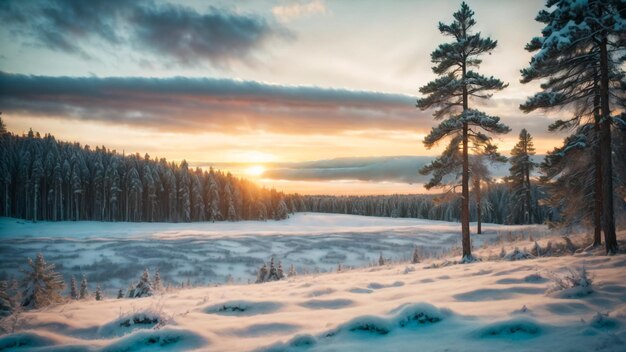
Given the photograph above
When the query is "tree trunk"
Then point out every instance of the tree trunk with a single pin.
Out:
(465, 228)
(479, 214)
(597, 165)
(608, 220)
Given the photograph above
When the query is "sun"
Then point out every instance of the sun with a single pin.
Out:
(255, 170)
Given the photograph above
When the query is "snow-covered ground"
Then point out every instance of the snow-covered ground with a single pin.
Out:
(114, 254)
(493, 305)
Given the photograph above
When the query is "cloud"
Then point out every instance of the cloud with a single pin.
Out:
(202, 104)
(398, 169)
(290, 12)
(177, 34)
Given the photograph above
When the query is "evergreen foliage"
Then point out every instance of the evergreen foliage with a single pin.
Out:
(84, 292)
(579, 62)
(44, 179)
(449, 95)
(41, 285)
(522, 206)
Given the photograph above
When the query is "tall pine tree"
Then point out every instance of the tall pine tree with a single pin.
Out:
(450, 95)
(519, 179)
(579, 61)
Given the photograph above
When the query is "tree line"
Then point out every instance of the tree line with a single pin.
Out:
(45, 179)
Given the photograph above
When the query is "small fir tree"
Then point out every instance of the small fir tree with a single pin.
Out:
(41, 285)
(73, 289)
(84, 292)
(98, 293)
(144, 286)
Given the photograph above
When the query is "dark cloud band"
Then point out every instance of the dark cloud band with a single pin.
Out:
(201, 104)
(173, 33)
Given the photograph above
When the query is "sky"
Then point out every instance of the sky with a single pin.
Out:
(308, 96)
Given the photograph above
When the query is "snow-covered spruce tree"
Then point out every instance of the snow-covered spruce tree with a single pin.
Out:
(450, 95)
(273, 273)
(158, 285)
(279, 272)
(282, 212)
(84, 291)
(73, 289)
(292, 271)
(519, 179)
(579, 60)
(416, 257)
(262, 274)
(131, 290)
(98, 293)
(41, 285)
(144, 286)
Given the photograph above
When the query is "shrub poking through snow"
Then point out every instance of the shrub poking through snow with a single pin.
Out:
(575, 283)
(5, 299)
(152, 317)
(243, 308)
(420, 313)
(517, 254)
(416, 257)
(515, 326)
(536, 250)
(368, 323)
(42, 285)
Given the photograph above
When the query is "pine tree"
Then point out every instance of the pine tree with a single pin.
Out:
(84, 293)
(41, 285)
(569, 172)
(282, 212)
(98, 293)
(3, 127)
(183, 192)
(381, 260)
(292, 271)
(279, 272)
(120, 294)
(144, 287)
(273, 273)
(131, 290)
(519, 179)
(73, 289)
(579, 61)
(158, 286)
(450, 94)
(416, 258)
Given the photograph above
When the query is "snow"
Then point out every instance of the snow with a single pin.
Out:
(115, 254)
(490, 305)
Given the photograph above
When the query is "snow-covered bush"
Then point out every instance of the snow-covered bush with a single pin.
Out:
(517, 254)
(153, 317)
(575, 283)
